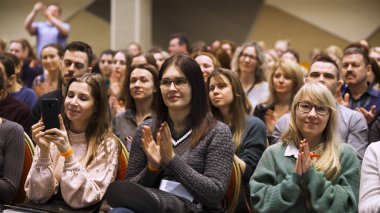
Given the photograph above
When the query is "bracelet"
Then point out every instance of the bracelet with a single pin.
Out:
(151, 169)
(67, 153)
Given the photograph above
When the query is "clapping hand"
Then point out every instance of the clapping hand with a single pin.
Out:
(166, 143)
(303, 162)
(368, 115)
(151, 148)
(161, 152)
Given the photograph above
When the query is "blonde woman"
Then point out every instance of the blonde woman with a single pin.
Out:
(310, 170)
(284, 83)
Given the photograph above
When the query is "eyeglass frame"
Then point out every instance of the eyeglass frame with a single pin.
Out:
(176, 85)
(312, 106)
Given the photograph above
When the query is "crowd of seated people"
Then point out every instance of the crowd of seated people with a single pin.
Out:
(303, 138)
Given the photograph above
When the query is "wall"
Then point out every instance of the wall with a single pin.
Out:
(273, 24)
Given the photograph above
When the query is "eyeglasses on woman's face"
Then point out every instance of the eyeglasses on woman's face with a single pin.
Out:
(179, 83)
(306, 107)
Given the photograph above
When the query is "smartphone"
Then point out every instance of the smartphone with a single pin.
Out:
(50, 111)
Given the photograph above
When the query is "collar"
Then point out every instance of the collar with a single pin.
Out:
(291, 150)
(370, 91)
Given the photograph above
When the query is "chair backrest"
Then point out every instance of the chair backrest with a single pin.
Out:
(231, 198)
(122, 161)
(28, 160)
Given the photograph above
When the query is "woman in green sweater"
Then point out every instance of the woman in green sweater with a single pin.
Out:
(310, 170)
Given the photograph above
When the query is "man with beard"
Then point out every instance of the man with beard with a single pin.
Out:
(76, 60)
(357, 93)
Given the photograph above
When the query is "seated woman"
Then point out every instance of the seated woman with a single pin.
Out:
(11, 154)
(230, 105)
(309, 170)
(284, 83)
(80, 159)
(188, 148)
(51, 55)
(121, 63)
(139, 91)
(207, 62)
(369, 194)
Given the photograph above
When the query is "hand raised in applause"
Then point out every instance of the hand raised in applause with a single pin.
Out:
(151, 148)
(303, 162)
(166, 143)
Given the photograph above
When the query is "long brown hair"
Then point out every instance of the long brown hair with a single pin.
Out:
(200, 118)
(99, 127)
(239, 108)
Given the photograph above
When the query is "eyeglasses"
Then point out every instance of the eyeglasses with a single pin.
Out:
(250, 57)
(306, 107)
(179, 83)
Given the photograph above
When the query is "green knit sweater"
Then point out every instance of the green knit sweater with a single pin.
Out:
(275, 187)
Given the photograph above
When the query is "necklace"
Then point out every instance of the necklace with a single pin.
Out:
(176, 142)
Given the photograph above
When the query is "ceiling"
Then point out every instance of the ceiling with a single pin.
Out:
(351, 20)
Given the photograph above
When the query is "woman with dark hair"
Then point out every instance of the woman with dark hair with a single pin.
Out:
(184, 146)
(249, 65)
(230, 105)
(310, 169)
(11, 153)
(79, 160)
(144, 58)
(51, 55)
(140, 95)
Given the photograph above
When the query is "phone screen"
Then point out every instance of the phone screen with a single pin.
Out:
(50, 111)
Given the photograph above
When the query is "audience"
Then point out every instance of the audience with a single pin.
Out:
(230, 105)
(79, 160)
(140, 95)
(252, 77)
(369, 193)
(16, 89)
(10, 108)
(76, 60)
(11, 154)
(179, 44)
(352, 127)
(51, 56)
(309, 170)
(207, 62)
(284, 83)
(193, 150)
(356, 92)
(176, 124)
(53, 30)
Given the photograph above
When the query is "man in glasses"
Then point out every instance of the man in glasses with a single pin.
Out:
(353, 128)
(76, 61)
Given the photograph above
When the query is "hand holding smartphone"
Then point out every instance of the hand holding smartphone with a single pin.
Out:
(51, 108)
